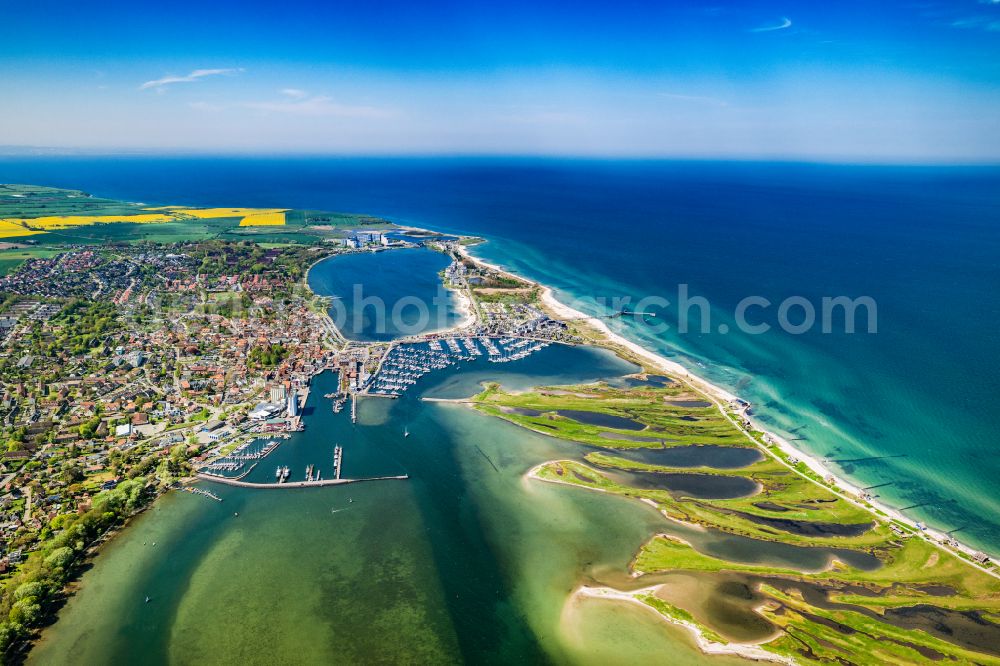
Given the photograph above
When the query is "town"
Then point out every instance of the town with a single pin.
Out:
(160, 362)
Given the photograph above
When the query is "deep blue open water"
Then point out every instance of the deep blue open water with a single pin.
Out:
(912, 406)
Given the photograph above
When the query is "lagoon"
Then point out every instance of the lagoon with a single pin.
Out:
(387, 294)
(705, 455)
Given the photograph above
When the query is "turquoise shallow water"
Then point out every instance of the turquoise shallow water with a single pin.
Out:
(911, 406)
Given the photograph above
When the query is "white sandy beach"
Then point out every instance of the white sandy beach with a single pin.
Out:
(747, 651)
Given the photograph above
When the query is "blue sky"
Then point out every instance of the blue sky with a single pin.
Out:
(857, 81)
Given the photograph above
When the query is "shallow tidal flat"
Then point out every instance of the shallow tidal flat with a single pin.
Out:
(750, 551)
(471, 561)
(464, 562)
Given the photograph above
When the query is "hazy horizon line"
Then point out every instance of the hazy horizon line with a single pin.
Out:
(19, 150)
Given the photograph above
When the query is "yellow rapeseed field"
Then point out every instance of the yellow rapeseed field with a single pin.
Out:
(67, 221)
(15, 226)
(20, 226)
(263, 219)
(10, 229)
(206, 213)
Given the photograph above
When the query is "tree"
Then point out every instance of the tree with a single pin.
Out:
(60, 559)
(34, 590)
(72, 473)
(8, 635)
(89, 428)
(25, 612)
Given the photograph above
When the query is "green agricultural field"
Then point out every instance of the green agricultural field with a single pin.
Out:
(39, 201)
(12, 258)
(44, 216)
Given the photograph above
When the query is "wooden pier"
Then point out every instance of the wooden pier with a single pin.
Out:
(204, 493)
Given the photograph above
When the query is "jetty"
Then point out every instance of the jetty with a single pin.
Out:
(298, 484)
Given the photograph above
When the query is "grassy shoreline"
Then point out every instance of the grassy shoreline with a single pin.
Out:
(909, 567)
(915, 570)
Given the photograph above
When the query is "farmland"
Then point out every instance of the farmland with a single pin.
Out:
(39, 220)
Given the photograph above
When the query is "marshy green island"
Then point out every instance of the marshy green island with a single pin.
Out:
(270, 435)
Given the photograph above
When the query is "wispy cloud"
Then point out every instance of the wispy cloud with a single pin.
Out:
(300, 103)
(699, 99)
(986, 23)
(783, 23)
(196, 75)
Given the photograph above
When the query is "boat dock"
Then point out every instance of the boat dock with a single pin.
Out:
(210, 475)
(242, 454)
(406, 362)
(338, 399)
(338, 459)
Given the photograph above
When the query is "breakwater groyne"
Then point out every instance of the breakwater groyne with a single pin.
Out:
(297, 484)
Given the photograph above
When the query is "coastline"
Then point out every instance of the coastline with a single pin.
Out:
(719, 397)
(533, 474)
(842, 487)
(20, 651)
(748, 651)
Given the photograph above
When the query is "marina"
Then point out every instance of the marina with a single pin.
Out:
(236, 460)
(406, 363)
(211, 475)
